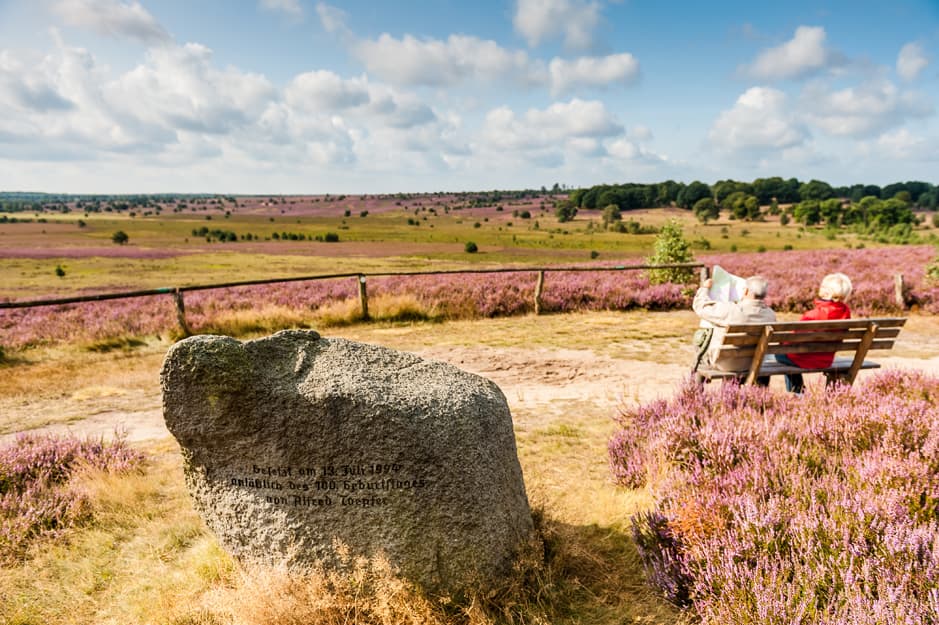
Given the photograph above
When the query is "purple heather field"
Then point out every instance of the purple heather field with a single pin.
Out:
(793, 276)
(777, 508)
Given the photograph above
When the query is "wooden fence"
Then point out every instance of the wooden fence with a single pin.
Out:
(900, 288)
(361, 279)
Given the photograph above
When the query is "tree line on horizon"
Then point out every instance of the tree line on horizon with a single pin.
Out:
(631, 196)
(886, 213)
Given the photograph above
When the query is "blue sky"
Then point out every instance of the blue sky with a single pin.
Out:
(297, 96)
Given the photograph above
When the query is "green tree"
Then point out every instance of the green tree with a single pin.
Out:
(751, 207)
(807, 212)
(889, 213)
(565, 211)
(667, 192)
(815, 190)
(768, 189)
(120, 237)
(831, 211)
(611, 213)
(706, 209)
(692, 193)
(671, 247)
(470, 247)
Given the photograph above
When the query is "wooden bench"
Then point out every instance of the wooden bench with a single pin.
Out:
(760, 341)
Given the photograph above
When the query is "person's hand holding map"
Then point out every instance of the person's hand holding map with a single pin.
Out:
(725, 286)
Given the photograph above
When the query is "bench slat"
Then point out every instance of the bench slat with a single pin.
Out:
(791, 326)
(807, 337)
(771, 367)
(809, 348)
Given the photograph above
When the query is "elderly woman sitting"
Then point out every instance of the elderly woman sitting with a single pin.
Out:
(834, 291)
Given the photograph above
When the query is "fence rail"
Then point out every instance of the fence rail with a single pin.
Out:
(361, 278)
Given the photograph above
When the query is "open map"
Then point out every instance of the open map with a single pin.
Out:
(726, 287)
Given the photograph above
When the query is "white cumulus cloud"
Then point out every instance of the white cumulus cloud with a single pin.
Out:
(802, 55)
(543, 20)
(904, 145)
(558, 125)
(862, 111)
(760, 120)
(289, 7)
(325, 91)
(435, 62)
(180, 87)
(911, 61)
(112, 18)
(592, 72)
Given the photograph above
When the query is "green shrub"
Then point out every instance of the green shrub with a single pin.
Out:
(671, 247)
(932, 274)
(470, 247)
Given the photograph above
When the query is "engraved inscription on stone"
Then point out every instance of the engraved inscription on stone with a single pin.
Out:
(363, 485)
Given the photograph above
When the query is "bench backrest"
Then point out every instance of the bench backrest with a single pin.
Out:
(756, 340)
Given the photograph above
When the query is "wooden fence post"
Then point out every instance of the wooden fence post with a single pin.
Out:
(363, 297)
(181, 312)
(898, 291)
(539, 288)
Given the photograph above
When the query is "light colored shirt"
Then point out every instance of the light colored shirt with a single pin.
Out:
(747, 310)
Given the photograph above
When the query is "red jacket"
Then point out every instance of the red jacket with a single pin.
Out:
(824, 309)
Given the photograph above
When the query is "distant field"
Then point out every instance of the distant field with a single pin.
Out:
(421, 232)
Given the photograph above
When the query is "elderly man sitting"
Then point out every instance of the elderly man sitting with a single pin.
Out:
(750, 309)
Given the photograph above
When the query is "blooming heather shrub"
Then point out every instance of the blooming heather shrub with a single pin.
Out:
(773, 508)
(871, 270)
(467, 296)
(38, 496)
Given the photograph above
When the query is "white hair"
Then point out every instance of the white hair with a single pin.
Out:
(757, 286)
(836, 287)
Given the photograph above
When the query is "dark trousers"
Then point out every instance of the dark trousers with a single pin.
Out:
(794, 381)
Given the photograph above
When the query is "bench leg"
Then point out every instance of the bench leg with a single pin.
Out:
(795, 383)
(833, 378)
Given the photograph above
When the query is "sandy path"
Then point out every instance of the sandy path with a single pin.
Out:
(542, 385)
(540, 382)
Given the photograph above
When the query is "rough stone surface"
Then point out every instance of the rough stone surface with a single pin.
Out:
(293, 442)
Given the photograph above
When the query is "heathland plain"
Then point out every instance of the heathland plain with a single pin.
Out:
(220, 239)
(141, 555)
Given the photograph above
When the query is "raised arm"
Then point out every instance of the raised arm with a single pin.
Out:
(709, 309)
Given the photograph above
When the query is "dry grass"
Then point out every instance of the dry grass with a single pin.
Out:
(146, 554)
(265, 320)
(382, 309)
(149, 559)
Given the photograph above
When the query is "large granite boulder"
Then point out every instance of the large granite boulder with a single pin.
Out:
(294, 442)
